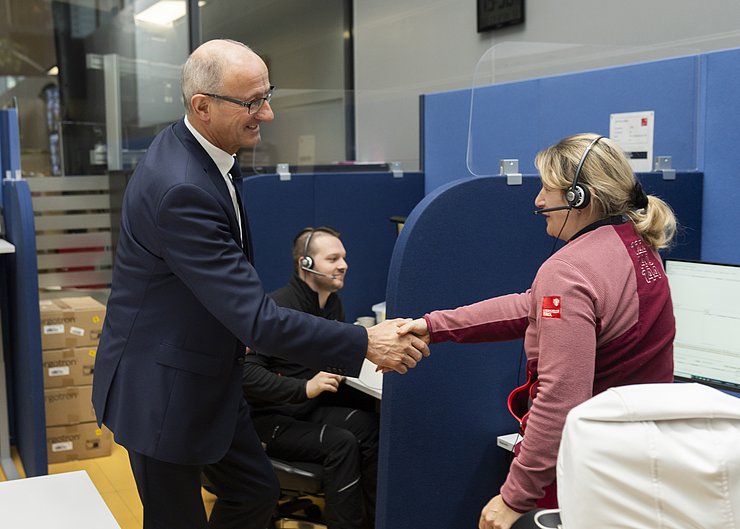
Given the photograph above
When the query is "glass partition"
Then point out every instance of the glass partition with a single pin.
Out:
(509, 111)
(307, 48)
(103, 80)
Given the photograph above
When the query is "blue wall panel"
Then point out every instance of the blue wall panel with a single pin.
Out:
(357, 204)
(360, 207)
(722, 158)
(516, 120)
(466, 241)
(278, 210)
(26, 384)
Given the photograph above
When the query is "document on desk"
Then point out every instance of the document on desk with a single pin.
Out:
(370, 381)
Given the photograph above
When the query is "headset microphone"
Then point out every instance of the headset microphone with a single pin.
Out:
(307, 269)
(548, 210)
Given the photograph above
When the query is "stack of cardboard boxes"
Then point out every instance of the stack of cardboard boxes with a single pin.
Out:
(70, 330)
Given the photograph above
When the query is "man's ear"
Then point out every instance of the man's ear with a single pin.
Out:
(201, 105)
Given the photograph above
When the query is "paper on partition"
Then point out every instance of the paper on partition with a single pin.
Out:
(633, 132)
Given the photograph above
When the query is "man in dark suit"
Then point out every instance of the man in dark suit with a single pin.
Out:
(185, 302)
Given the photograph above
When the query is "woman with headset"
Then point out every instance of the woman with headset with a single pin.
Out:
(598, 314)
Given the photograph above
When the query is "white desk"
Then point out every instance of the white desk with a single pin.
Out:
(5, 460)
(369, 381)
(6, 247)
(509, 441)
(58, 501)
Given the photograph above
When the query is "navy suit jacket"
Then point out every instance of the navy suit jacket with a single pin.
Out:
(184, 303)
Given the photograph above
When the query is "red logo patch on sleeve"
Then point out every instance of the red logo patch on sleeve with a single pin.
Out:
(551, 307)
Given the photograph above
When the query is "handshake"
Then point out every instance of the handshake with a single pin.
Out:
(398, 344)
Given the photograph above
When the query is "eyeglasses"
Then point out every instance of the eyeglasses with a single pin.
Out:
(252, 106)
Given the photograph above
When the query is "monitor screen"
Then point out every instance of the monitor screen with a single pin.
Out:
(706, 302)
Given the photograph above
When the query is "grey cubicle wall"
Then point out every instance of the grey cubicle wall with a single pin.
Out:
(467, 241)
(357, 204)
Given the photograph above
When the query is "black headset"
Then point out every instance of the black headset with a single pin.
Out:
(578, 196)
(306, 260)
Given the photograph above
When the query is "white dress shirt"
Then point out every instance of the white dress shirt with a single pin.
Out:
(224, 161)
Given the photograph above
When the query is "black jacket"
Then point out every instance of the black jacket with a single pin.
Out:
(275, 385)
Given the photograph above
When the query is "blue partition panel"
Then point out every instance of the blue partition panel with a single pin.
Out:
(696, 108)
(277, 210)
(684, 195)
(359, 205)
(518, 119)
(721, 158)
(10, 149)
(26, 386)
(467, 241)
(439, 463)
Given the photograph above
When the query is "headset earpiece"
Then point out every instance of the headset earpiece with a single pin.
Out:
(307, 261)
(578, 198)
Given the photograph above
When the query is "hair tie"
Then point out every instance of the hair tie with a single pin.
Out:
(638, 198)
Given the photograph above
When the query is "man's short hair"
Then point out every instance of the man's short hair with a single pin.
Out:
(303, 241)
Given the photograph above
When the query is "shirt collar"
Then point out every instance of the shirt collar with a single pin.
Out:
(223, 160)
(615, 219)
(309, 298)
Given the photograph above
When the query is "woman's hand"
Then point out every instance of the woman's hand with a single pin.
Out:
(497, 515)
(417, 327)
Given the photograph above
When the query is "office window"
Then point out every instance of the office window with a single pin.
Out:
(307, 47)
(94, 82)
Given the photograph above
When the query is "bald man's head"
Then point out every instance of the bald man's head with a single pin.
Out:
(207, 66)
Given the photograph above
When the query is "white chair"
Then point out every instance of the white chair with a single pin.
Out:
(651, 456)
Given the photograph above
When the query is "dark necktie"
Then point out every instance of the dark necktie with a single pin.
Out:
(236, 179)
(235, 171)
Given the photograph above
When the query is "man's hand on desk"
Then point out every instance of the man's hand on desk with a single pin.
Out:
(391, 350)
(322, 381)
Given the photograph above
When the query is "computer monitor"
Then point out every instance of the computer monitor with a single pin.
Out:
(706, 302)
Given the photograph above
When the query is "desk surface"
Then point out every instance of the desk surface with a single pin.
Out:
(61, 501)
(369, 381)
(6, 247)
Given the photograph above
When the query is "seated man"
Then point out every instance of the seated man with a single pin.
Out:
(298, 412)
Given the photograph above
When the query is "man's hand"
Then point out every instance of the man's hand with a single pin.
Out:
(497, 515)
(321, 382)
(417, 327)
(390, 350)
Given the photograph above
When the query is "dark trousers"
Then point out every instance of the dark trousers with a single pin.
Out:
(243, 481)
(345, 442)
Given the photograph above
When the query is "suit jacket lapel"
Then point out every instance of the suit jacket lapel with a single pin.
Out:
(212, 172)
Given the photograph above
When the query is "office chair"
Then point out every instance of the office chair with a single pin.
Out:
(651, 456)
(298, 480)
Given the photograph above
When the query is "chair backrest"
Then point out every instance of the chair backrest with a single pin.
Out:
(651, 456)
(299, 478)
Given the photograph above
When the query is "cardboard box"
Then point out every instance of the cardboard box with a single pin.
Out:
(68, 367)
(70, 322)
(68, 405)
(78, 441)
